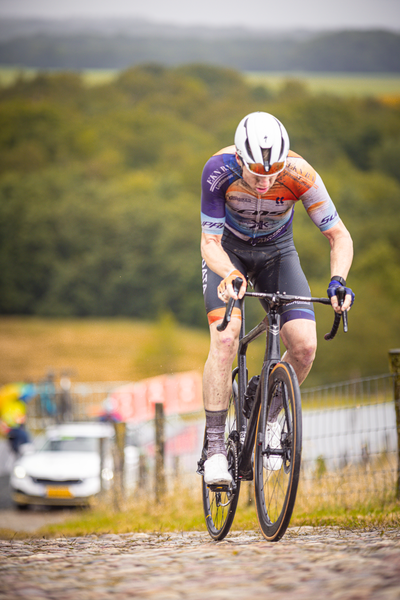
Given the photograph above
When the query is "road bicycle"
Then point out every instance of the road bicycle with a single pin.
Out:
(263, 431)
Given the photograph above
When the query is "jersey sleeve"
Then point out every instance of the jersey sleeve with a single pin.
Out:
(213, 196)
(319, 205)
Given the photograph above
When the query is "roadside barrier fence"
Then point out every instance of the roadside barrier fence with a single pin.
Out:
(351, 433)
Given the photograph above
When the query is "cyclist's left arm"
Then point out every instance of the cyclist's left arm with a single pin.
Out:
(322, 211)
(341, 258)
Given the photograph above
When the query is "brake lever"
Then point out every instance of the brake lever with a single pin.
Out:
(341, 294)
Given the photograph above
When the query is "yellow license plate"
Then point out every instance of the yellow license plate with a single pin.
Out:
(58, 492)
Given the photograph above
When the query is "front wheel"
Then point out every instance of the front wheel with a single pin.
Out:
(219, 503)
(277, 453)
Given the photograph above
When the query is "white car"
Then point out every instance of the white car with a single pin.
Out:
(65, 470)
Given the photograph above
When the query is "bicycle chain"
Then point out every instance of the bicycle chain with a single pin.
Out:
(232, 446)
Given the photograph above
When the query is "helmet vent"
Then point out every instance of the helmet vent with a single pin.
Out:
(266, 154)
(282, 140)
(246, 143)
(248, 149)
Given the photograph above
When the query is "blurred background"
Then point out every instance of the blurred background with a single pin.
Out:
(107, 116)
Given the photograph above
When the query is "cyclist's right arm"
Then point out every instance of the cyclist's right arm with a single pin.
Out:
(218, 261)
(215, 181)
(214, 254)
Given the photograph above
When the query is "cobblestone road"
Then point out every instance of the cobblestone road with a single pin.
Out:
(308, 563)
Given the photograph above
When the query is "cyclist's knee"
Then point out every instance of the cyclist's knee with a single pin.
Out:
(224, 344)
(300, 340)
(304, 353)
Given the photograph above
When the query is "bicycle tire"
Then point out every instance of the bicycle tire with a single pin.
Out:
(276, 477)
(220, 506)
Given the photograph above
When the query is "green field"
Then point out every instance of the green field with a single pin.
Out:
(97, 349)
(341, 84)
(8, 75)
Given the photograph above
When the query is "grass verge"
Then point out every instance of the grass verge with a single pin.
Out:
(182, 511)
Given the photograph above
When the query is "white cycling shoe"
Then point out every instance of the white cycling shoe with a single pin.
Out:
(216, 470)
(273, 440)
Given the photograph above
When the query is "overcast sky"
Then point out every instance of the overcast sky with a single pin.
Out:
(265, 14)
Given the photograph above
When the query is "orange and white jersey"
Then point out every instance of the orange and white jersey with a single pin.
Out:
(227, 201)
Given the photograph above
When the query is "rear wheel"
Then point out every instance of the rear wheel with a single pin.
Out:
(220, 502)
(278, 452)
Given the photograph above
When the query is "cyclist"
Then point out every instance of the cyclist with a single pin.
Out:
(249, 191)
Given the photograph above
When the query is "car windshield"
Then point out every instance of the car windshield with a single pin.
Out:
(71, 444)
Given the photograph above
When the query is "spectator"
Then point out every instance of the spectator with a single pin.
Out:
(47, 391)
(13, 400)
(65, 400)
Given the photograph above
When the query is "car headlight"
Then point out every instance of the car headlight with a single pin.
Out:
(19, 471)
(107, 474)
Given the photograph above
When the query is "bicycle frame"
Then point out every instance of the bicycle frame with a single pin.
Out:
(247, 428)
(270, 324)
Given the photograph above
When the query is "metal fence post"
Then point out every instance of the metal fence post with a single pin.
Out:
(394, 362)
(159, 467)
(102, 456)
(143, 473)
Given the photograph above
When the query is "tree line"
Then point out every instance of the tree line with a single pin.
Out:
(100, 190)
(342, 51)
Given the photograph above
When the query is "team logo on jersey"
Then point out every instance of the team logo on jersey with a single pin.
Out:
(218, 177)
(204, 275)
(212, 225)
(329, 218)
(261, 213)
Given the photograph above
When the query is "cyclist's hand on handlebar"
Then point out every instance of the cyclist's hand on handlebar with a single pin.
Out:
(348, 300)
(225, 288)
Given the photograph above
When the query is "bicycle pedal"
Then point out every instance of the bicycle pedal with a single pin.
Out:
(218, 488)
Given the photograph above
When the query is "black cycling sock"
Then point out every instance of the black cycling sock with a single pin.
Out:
(215, 425)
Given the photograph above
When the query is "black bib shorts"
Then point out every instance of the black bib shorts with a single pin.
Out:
(272, 267)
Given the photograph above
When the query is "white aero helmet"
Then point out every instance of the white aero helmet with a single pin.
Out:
(262, 143)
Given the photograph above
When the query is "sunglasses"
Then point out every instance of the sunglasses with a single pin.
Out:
(259, 169)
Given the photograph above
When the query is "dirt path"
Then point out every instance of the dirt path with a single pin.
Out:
(307, 563)
(30, 520)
